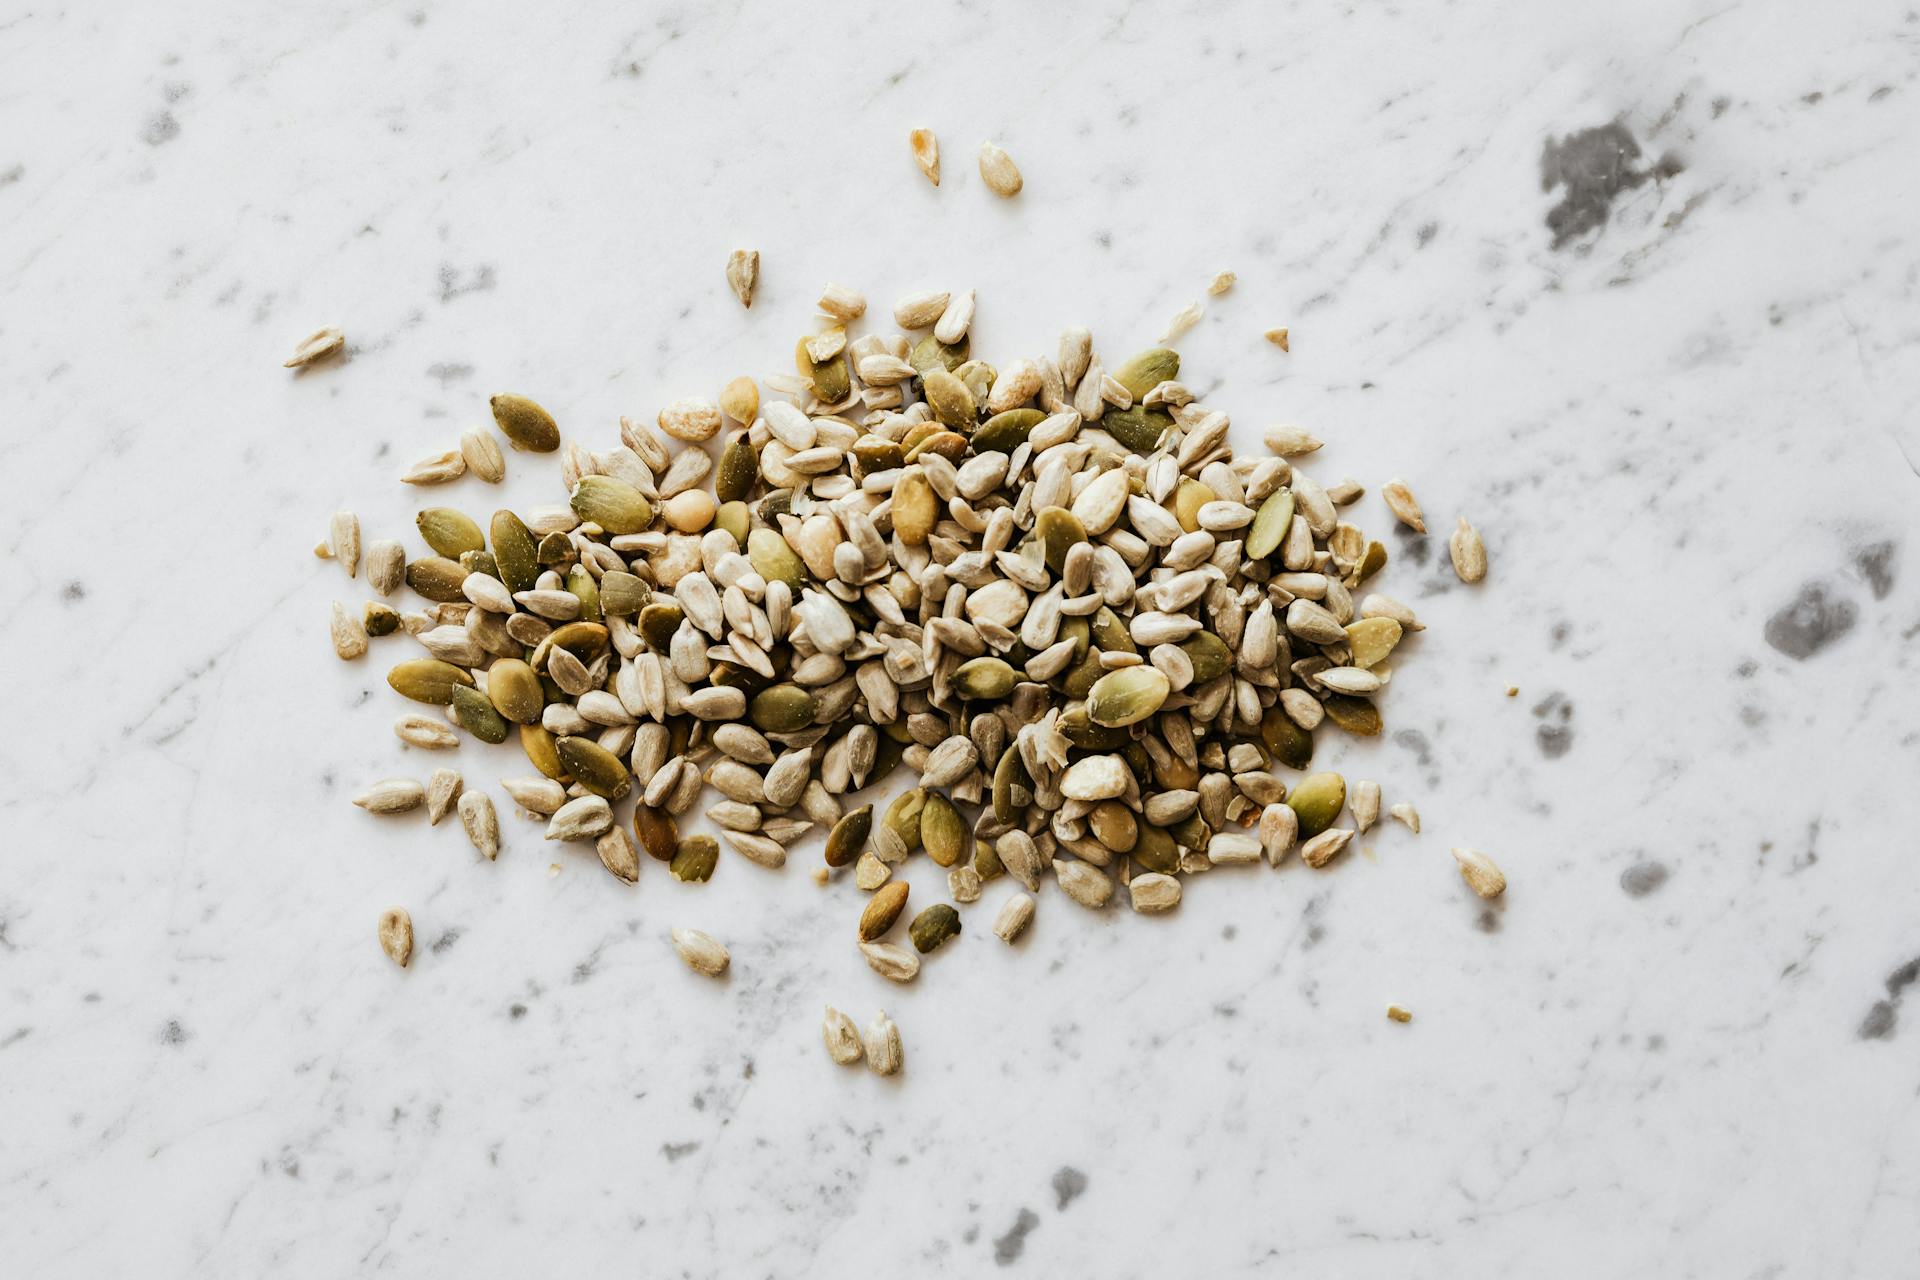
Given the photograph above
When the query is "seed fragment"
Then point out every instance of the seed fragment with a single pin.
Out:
(932, 927)
(1481, 875)
(743, 273)
(997, 168)
(1278, 337)
(1364, 800)
(694, 861)
(1399, 1013)
(348, 632)
(1406, 815)
(895, 964)
(396, 935)
(701, 951)
(926, 153)
(443, 789)
(317, 346)
(1154, 892)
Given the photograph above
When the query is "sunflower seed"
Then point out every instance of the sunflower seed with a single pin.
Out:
(618, 855)
(1320, 850)
(396, 935)
(482, 456)
(482, 824)
(842, 1037)
(1016, 913)
(882, 1045)
(1085, 883)
(743, 273)
(393, 795)
(443, 790)
(437, 468)
(702, 952)
(1468, 552)
(1364, 801)
(315, 347)
(1481, 875)
(1406, 815)
(895, 964)
(542, 796)
(1154, 892)
(580, 819)
(999, 172)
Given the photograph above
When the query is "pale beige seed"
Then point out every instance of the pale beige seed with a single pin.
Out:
(884, 1052)
(392, 795)
(1154, 892)
(841, 1036)
(618, 855)
(1279, 338)
(317, 346)
(323, 550)
(481, 452)
(963, 884)
(396, 935)
(418, 730)
(580, 819)
(918, 310)
(1468, 551)
(1183, 320)
(482, 824)
(1222, 282)
(540, 796)
(1406, 815)
(386, 565)
(439, 468)
(1405, 507)
(1085, 883)
(926, 153)
(956, 319)
(1478, 871)
(702, 952)
(998, 170)
(1323, 848)
(1016, 913)
(1363, 798)
(348, 632)
(842, 303)
(1399, 1013)
(869, 873)
(894, 963)
(1279, 828)
(443, 790)
(743, 273)
(1289, 441)
(343, 532)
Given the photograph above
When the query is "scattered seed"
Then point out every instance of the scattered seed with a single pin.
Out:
(1278, 337)
(1405, 507)
(702, 952)
(842, 1037)
(743, 273)
(926, 153)
(1406, 815)
(482, 824)
(393, 795)
(1016, 913)
(895, 964)
(882, 1043)
(1468, 552)
(1221, 282)
(317, 346)
(396, 935)
(1481, 875)
(997, 168)
(1399, 1013)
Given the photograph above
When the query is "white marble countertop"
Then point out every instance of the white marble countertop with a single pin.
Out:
(1677, 392)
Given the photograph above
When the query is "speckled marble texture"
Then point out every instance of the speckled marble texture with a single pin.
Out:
(1632, 286)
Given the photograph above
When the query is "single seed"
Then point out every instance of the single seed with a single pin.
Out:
(694, 861)
(1014, 917)
(882, 910)
(481, 822)
(1481, 875)
(1405, 507)
(525, 423)
(932, 927)
(701, 951)
(315, 347)
(1154, 892)
(1406, 815)
(1322, 849)
(743, 273)
(1399, 1013)
(396, 935)
(842, 1037)
(895, 964)
(1468, 552)
(926, 153)
(393, 795)
(882, 1045)
(999, 172)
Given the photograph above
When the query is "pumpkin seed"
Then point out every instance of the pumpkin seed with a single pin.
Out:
(612, 504)
(782, 708)
(449, 532)
(1270, 525)
(849, 836)
(694, 861)
(983, 679)
(476, 714)
(427, 680)
(932, 927)
(1127, 696)
(525, 423)
(943, 832)
(438, 579)
(882, 909)
(594, 767)
(1317, 801)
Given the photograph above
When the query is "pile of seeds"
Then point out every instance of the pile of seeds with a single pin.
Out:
(1049, 589)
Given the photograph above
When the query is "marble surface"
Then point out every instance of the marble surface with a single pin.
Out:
(1632, 286)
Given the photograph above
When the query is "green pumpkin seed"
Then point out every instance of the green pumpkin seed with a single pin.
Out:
(438, 579)
(831, 381)
(1079, 729)
(903, 817)
(657, 832)
(525, 423)
(983, 679)
(1148, 370)
(1114, 826)
(736, 519)
(872, 453)
(479, 562)
(594, 767)
(538, 745)
(1057, 529)
(1078, 680)
(1371, 563)
(584, 640)
(1012, 786)
(554, 550)
(849, 836)
(943, 831)
(658, 621)
(949, 397)
(449, 532)
(1355, 715)
(1005, 432)
(739, 468)
(476, 714)
(1138, 428)
(774, 560)
(1109, 634)
(1270, 525)
(916, 508)
(515, 690)
(782, 708)
(427, 680)
(931, 353)
(1155, 850)
(1191, 832)
(933, 926)
(986, 861)
(1284, 740)
(1317, 802)
(622, 594)
(882, 909)
(1209, 655)
(514, 552)
(614, 505)
(1127, 696)
(580, 584)
(1372, 639)
(694, 861)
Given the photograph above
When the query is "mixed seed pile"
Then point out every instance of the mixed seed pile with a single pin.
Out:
(1048, 589)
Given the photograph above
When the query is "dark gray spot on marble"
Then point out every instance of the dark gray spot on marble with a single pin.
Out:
(1880, 93)
(1560, 634)
(1595, 166)
(1424, 236)
(1809, 623)
(174, 1033)
(18, 1034)
(1879, 1022)
(1555, 734)
(676, 1151)
(1720, 104)
(1813, 99)
(971, 1234)
(1903, 977)
(516, 1011)
(74, 592)
(453, 282)
(1226, 1009)
(1230, 932)
(13, 175)
(1875, 562)
(1415, 548)
(449, 372)
(1007, 1249)
(445, 941)
(1068, 1184)
(1642, 878)
(1488, 921)
(1415, 741)
(1104, 239)
(161, 129)
(1747, 669)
